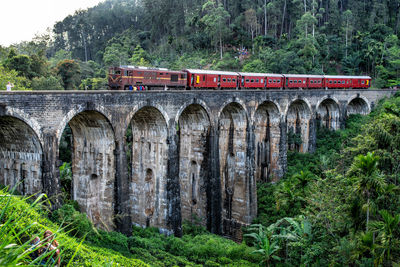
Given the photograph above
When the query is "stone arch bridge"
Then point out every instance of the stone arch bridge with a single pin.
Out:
(157, 158)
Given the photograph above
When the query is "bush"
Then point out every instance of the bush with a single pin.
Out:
(75, 222)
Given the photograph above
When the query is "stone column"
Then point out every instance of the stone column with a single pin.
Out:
(122, 209)
(174, 218)
(283, 147)
(252, 187)
(214, 198)
(312, 143)
(51, 172)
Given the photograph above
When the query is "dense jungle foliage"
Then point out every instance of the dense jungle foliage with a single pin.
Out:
(282, 36)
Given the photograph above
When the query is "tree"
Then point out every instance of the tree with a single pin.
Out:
(69, 71)
(140, 57)
(369, 181)
(265, 244)
(385, 229)
(215, 20)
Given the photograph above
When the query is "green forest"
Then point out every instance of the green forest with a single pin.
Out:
(358, 37)
(339, 206)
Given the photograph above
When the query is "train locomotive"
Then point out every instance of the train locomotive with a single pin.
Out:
(143, 78)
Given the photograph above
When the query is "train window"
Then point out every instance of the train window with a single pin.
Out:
(256, 80)
(311, 81)
(183, 76)
(304, 81)
(252, 80)
(270, 81)
(319, 81)
(174, 77)
(330, 81)
(262, 80)
(334, 82)
(126, 73)
(204, 78)
(362, 82)
(295, 81)
(291, 81)
(215, 79)
(224, 79)
(247, 80)
(233, 80)
(274, 81)
(161, 73)
(140, 73)
(229, 80)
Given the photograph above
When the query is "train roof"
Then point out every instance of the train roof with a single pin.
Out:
(142, 68)
(303, 76)
(260, 74)
(215, 72)
(346, 77)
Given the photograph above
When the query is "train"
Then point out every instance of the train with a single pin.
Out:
(144, 78)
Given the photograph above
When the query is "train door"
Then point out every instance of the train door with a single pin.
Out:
(237, 83)
(219, 81)
(287, 82)
(192, 80)
(265, 82)
(243, 81)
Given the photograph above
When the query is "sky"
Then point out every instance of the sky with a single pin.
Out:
(20, 20)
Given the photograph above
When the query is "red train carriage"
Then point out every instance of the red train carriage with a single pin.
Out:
(130, 77)
(343, 82)
(260, 80)
(295, 81)
(211, 79)
(335, 81)
(315, 81)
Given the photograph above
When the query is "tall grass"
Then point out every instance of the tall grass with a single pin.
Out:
(24, 218)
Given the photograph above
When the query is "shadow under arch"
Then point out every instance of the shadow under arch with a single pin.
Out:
(358, 105)
(235, 187)
(21, 156)
(147, 148)
(298, 118)
(328, 114)
(93, 166)
(267, 138)
(194, 128)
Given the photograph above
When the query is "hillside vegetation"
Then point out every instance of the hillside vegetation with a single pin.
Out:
(358, 37)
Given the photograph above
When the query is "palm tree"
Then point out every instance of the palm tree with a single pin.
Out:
(265, 244)
(369, 180)
(385, 229)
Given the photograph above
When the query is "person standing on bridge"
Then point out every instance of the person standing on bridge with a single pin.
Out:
(9, 86)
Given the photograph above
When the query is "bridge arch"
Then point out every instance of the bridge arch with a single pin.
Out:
(267, 137)
(194, 127)
(142, 105)
(298, 117)
(233, 122)
(148, 150)
(93, 166)
(195, 101)
(77, 110)
(21, 155)
(358, 105)
(328, 113)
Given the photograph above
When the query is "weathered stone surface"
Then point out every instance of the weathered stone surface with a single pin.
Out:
(20, 156)
(193, 152)
(194, 130)
(93, 167)
(148, 189)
